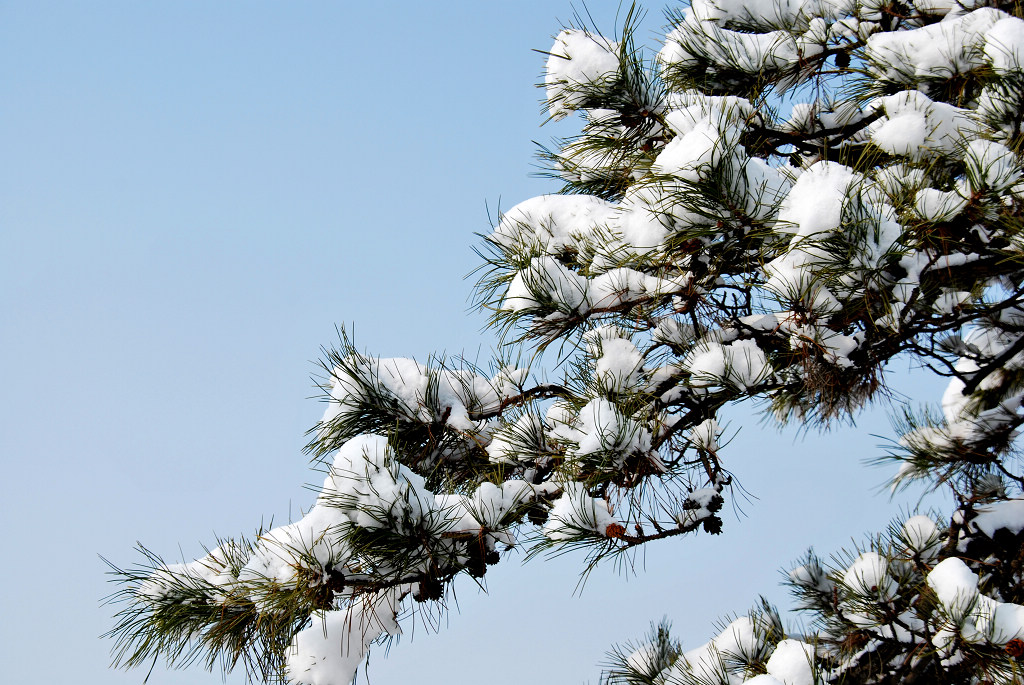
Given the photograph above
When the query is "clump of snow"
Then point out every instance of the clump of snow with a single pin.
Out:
(692, 156)
(368, 484)
(741, 638)
(812, 576)
(310, 544)
(833, 347)
(793, 277)
(922, 536)
(417, 392)
(829, 203)
(936, 6)
(485, 509)
(898, 179)
(671, 331)
(982, 618)
(520, 440)
(919, 128)
(1004, 45)
(329, 651)
(814, 204)
(579, 63)
(937, 51)
(955, 585)
(1007, 514)
(869, 575)
(700, 504)
(622, 285)
(937, 205)
(212, 570)
(366, 487)
(991, 166)
(547, 282)
(603, 428)
(576, 513)
(618, 363)
(693, 40)
(763, 679)
(549, 224)
(644, 660)
(705, 435)
(741, 364)
(791, 662)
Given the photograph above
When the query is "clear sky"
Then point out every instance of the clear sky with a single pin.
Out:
(192, 196)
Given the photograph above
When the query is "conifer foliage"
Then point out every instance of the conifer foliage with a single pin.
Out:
(783, 199)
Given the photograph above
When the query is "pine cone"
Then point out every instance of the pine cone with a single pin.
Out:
(615, 530)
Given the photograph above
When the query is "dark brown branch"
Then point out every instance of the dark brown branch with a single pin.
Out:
(539, 392)
(761, 136)
(994, 365)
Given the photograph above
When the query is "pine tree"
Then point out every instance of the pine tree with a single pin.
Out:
(786, 198)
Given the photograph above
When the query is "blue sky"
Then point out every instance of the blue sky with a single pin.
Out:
(192, 196)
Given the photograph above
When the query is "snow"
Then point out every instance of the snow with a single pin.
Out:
(579, 62)
(687, 44)
(869, 575)
(936, 6)
(673, 332)
(550, 223)
(617, 361)
(741, 364)
(281, 554)
(546, 280)
(699, 505)
(514, 441)
(833, 347)
(576, 513)
(763, 679)
(1004, 45)
(828, 201)
(922, 535)
(936, 51)
(1007, 622)
(741, 637)
(902, 134)
(956, 588)
(937, 205)
(792, 278)
(329, 651)
(763, 188)
(690, 109)
(644, 660)
(767, 13)
(212, 570)
(811, 576)
(899, 178)
(705, 435)
(418, 393)
(490, 503)
(692, 155)
(604, 429)
(373, 490)
(991, 166)
(919, 128)
(791, 662)
(1008, 515)
(950, 299)
(623, 285)
(641, 221)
